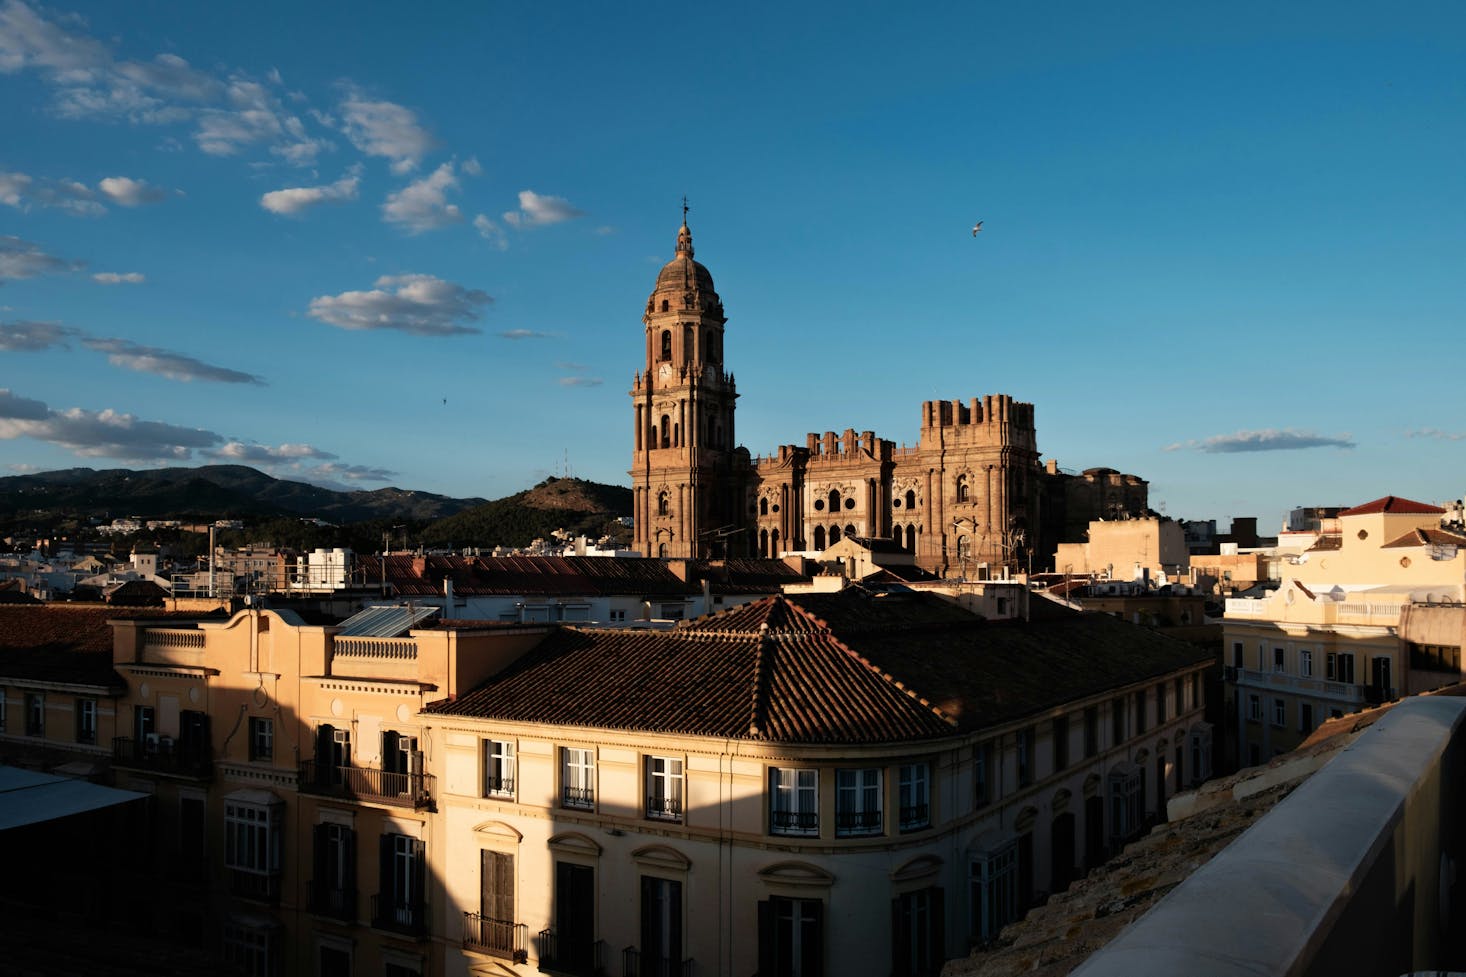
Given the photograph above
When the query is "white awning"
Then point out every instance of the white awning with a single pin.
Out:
(29, 797)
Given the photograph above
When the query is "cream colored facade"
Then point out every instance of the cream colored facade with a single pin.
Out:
(1128, 549)
(955, 873)
(1326, 642)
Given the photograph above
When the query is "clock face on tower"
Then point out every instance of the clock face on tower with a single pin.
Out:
(664, 371)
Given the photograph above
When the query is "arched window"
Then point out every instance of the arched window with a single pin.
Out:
(963, 549)
(687, 351)
(834, 535)
(661, 503)
(911, 538)
(774, 543)
(662, 547)
(664, 305)
(763, 507)
(961, 488)
(666, 431)
(834, 500)
(819, 537)
(718, 436)
(910, 499)
(850, 530)
(666, 342)
(763, 543)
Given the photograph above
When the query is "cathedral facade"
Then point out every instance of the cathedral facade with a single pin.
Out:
(971, 496)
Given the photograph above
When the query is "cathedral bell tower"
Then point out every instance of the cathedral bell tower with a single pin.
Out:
(682, 474)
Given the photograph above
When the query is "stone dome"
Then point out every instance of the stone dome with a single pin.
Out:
(682, 274)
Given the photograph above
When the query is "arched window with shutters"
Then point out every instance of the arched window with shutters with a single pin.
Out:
(662, 504)
(961, 488)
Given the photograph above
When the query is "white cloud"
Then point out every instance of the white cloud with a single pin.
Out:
(423, 205)
(127, 192)
(328, 474)
(537, 211)
(386, 129)
(27, 40)
(1269, 439)
(23, 259)
(106, 433)
(1429, 432)
(22, 191)
(241, 452)
(119, 278)
(419, 304)
(491, 232)
(32, 337)
(293, 200)
(581, 381)
(472, 167)
(165, 363)
(517, 334)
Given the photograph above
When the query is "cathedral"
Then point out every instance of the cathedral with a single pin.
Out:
(971, 497)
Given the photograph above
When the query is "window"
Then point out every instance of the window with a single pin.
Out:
(578, 778)
(498, 768)
(1127, 803)
(664, 788)
(1305, 717)
(1340, 667)
(399, 904)
(618, 617)
(982, 775)
(86, 720)
(493, 929)
(35, 714)
(1196, 698)
(1237, 654)
(261, 738)
(1280, 712)
(1305, 663)
(1160, 703)
(332, 890)
(666, 343)
(1179, 691)
(993, 880)
(914, 796)
(2, 709)
(1025, 757)
(858, 802)
(1139, 712)
(662, 500)
(575, 948)
(1278, 660)
(794, 801)
(1091, 732)
(961, 488)
(1200, 752)
(252, 843)
(918, 942)
(1117, 722)
(252, 950)
(1254, 708)
(790, 937)
(661, 926)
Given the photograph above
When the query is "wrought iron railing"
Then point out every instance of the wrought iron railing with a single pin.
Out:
(857, 822)
(498, 786)
(414, 790)
(577, 955)
(337, 902)
(664, 808)
(915, 816)
(161, 755)
(497, 937)
(582, 798)
(794, 822)
(634, 963)
(407, 918)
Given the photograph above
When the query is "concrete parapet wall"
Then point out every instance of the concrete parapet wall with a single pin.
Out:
(1361, 871)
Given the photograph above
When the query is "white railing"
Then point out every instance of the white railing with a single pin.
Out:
(396, 649)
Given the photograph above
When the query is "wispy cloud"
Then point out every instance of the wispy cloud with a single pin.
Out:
(581, 381)
(21, 191)
(32, 337)
(536, 210)
(491, 232)
(166, 363)
(127, 192)
(386, 129)
(1437, 434)
(24, 259)
(423, 205)
(1269, 439)
(419, 304)
(293, 200)
(119, 278)
(245, 453)
(518, 334)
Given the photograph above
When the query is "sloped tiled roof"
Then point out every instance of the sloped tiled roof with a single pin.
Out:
(1393, 504)
(853, 667)
(1426, 537)
(65, 643)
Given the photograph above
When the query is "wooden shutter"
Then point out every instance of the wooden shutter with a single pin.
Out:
(417, 894)
(348, 852)
(814, 939)
(938, 916)
(384, 878)
(900, 940)
(766, 939)
(320, 840)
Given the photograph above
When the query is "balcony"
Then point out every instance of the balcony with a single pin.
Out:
(406, 918)
(915, 816)
(498, 786)
(334, 902)
(1344, 692)
(578, 798)
(496, 937)
(577, 955)
(857, 822)
(261, 887)
(414, 790)
(161, 754)
(794, 822)
(664, 808)
(636, 964)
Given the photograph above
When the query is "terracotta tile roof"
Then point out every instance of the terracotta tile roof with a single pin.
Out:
(65, 643)
(853, 667)
(1393, 503)
(558, 576)
(743, 576)
(1426, 537)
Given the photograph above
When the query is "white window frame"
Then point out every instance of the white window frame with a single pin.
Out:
(913, 796)
(1305, 663)
(1280, 713)
(86, 720)
(1127, 804)
(253, 948)
(794, 801)
(252, 835)
(1254, 707)
(578, 778)
(993, 890)
(261, 730)
(1280, 659)
(858, 802)
(1200, 741)
(664, 788)
(499, 763)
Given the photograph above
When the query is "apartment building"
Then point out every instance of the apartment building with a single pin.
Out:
(1326, 642)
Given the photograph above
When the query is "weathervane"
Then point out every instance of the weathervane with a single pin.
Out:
(684, 210)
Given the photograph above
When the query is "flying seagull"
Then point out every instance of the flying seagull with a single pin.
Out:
(976, 227)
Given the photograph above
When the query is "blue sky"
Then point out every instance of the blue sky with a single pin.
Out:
(366, 244)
